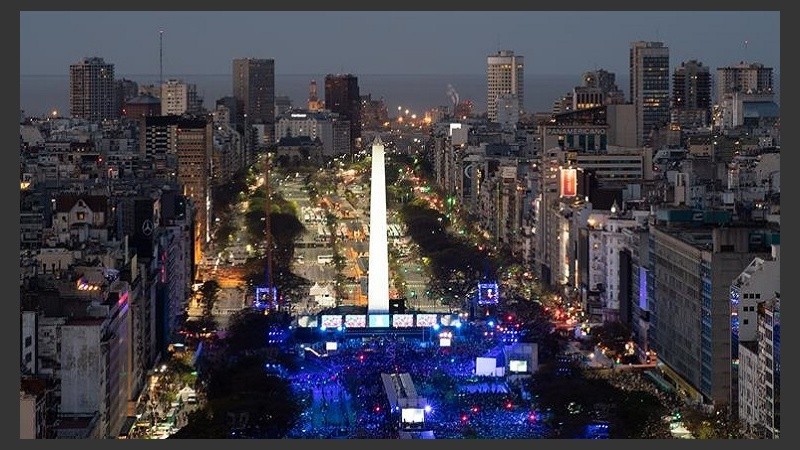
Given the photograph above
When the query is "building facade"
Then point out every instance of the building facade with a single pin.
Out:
(91, 90)
(748, 78)
(254, 91)
(179, 97)
(692, 267)
(691, 94)
(649, 87)
(342, 97)
(504, 75)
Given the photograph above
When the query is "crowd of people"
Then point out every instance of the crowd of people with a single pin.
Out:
(345, 387)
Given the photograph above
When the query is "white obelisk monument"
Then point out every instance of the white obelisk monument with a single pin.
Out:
(378, 288)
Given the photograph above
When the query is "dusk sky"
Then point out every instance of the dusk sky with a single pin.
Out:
(388, 42)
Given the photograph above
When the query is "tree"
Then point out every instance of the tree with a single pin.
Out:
(248, 328)
(202, 424)
(209, 291)
(612, 335)
(242, 387)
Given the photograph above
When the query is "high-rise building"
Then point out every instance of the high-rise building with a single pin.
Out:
(342, 97)
(690, 304)
(91, 90)
(599, 88)
(254, 90)
(747, 78)
(691, 92)
(178, 98)
(649, 87)
(504, 75)
(759, 281)
(181, 149)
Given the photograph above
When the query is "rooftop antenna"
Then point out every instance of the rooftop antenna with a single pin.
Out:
(745, 49)
(161, 57)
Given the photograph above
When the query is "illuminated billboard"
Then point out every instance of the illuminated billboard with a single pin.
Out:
(331, 321)
(426, 320)
(517, 366)
(488, 294)
(412, 415)
(403, 320)
(355, 321)
(379, 321)
(331, 346)
(569, 182)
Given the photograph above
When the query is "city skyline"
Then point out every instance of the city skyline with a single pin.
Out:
(567, 227)
(411, 40)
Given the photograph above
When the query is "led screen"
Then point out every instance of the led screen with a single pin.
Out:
(379, 321)
(488, 294)
(355, 321)
(331, 321)
(485, 366)
(426, 320)
(517, 366)
(331, 346)
(307, 322)
(445, 342)
(412, 415)
(448, 319)
(403, 320)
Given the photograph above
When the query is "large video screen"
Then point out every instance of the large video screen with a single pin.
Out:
(488, 294)
(445, 342)
(403, 320)
(485, 366)
(307, 322)
(517, 366)
(355, 321)
(331, 346)
(412, 415)
(379, 321)
(331, 321)
(447, 319)
(426, 320)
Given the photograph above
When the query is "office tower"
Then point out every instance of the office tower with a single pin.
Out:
(91, 90)
(690, 304)
(504, 75)
(378, 287)
(180, 149)
(599, 88)
(254, 90)
(178, 98)
(649, 88)
(691, 91)
(746, 78)
(342, 97)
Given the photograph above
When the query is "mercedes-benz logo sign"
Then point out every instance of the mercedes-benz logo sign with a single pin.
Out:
(147, 227)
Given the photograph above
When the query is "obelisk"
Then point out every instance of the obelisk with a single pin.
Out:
(378, 288)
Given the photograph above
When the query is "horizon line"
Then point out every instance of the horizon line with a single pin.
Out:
(291, 74)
